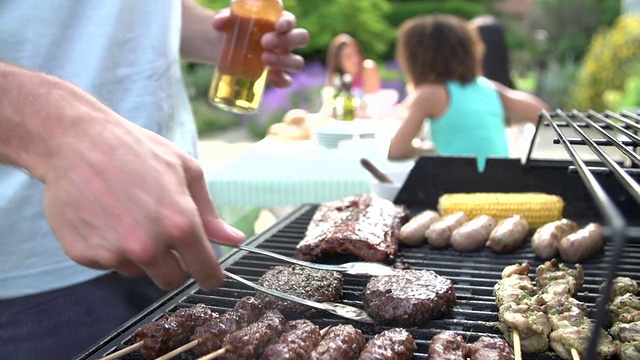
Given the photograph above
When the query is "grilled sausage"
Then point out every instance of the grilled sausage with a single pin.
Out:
(412, 233)
(509, 234)
(439, 234)
(546, 239)
(472, 235)
(582, 244)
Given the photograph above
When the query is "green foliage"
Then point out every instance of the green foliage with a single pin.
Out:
(401, 11)
(613, 56)
(211, 119)
(363, 19)
(569, 25)
(555, 83)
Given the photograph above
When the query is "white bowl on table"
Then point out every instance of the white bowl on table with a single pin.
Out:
(389, 191)
(331, 133)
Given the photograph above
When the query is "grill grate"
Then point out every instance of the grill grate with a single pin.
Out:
(474, 274)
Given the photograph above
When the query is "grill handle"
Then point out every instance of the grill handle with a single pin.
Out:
(352, 268)
(345, 311)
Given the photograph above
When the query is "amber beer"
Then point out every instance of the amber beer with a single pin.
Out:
(240, 77)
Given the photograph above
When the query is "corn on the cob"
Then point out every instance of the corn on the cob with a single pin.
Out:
(537, 208)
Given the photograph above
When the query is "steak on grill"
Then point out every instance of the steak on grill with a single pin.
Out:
(362, 225)
(310, 284)
(408, 298)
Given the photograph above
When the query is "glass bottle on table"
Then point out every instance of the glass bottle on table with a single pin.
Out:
(346, 103)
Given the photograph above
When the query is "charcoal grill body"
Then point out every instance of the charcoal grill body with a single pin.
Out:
(474, 274)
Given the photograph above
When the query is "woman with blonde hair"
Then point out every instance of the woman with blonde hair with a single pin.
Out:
(465, 111)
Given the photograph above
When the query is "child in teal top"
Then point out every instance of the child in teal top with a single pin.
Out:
(473, 123)
(441, 55)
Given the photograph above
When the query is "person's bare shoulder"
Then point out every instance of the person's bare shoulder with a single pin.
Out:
(433, 98)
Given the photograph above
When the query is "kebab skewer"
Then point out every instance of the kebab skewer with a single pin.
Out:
(208, 337)
(158, 337)
(624, 314)
(524, 323)
(571, 324)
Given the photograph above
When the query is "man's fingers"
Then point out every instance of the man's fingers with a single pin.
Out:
(279, 78)
(214, 227)
(284, 42)
(200, 261)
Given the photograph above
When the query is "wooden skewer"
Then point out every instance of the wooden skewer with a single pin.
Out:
(214, 354)
(177, 351)
(120, 353)
(516, 345)
(324, 331)
(574, 354)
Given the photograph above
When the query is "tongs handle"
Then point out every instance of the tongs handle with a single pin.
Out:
(354, 268)
(292, 260)
(345, 311)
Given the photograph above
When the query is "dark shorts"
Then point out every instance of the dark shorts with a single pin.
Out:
(63, 323)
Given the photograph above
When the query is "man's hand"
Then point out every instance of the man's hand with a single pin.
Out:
(133, 202)
(278, 47)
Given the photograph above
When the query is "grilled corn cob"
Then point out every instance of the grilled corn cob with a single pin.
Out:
(537, 208)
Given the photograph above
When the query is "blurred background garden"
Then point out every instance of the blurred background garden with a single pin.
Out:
(574, 54)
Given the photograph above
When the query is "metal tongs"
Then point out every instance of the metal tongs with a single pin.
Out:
(353, 268)
(345, 311)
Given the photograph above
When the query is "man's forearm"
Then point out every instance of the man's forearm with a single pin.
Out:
(199, 41)
(38, 113)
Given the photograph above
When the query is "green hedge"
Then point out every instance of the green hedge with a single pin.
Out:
(400, 11)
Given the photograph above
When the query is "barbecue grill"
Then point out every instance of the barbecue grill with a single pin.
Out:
(599, 185)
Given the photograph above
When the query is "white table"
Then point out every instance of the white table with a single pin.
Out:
(286, 174)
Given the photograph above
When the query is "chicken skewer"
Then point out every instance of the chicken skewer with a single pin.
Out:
(572, 327)
(524, 323)
(624, 314)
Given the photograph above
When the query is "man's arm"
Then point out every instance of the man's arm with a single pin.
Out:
(117, 196)
(199, 42)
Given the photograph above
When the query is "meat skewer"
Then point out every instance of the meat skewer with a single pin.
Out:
(571, 324)
(490, 348)
(392, 344)
(287, 350)
(209, 336)
(158, 337)
(448, 345)
(524, 322)
(296, 342)
(343, 342)
(624, 313)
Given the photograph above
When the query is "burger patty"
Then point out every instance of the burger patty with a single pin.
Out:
(311, 284)
(408, 298)
(361, 225)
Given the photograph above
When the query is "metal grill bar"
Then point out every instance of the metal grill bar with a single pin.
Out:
(614, 220)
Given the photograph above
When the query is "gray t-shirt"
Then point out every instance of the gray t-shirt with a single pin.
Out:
(126, 54)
